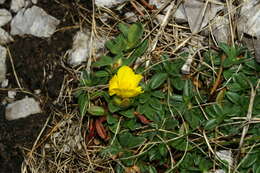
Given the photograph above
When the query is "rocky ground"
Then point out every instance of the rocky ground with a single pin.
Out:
(48, 68)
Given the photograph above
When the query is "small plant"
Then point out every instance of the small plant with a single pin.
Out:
(171, 122)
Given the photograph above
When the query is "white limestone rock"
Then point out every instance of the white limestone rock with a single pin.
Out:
(109, 3)
(5, 17)
(197, 19)
(11, 94)
(82, 46)
(5, 38)
(17, 5)
(34, 21)
(22, 108)
(180, 15)
(220, 29)
(2, 1)
(3, 53)
(226, 155)
(79, 51)
(249, 20)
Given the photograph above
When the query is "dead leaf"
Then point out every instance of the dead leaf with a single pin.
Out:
(100, 129)
(142, 118)
(91, 130)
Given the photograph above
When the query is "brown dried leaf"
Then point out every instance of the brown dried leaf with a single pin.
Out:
(91, 130)
(142, 118)
(100, 129)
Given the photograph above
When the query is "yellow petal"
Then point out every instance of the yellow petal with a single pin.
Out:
(125, 75)
(113, 84)
(125, 83)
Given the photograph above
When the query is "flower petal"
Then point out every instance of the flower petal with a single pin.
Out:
(125, 83)
(113, 84)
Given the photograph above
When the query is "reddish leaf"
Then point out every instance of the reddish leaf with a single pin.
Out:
(142, 118)
(100, 129)
(91, 130)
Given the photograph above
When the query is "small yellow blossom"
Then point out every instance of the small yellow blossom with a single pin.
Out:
(125, 83)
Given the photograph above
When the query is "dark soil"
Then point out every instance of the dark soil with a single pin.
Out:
(37, 62)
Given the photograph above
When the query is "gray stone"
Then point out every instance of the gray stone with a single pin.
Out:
(34, 21)
(109, 3)
(22, 108)
(2, 1)
(197, 16)
(221, 29)
(5, 17)
(3, 53)
(249, 20)
(16, 5)
(5, 38)
(82, 46)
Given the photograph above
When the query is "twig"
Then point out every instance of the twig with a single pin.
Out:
(248, 118)
(13, 68)
(146, 4)
(218, 80)
(161, 29)
(136, 8)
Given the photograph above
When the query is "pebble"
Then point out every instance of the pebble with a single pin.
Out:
(22, 108)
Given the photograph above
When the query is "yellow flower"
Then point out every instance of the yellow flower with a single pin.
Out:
(125, 83)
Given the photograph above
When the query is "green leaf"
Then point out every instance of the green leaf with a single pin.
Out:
(134, 35)
(256, 168)
(178, 83)
(249, 160)
(162, 149)
(102, 73)
(229, 73)
(149, 112)
(218, 109)
(123, 28)
(157, 80)
(154, 154)
(235, 87)
(187, 90)
(103, 61)
(205, 165)
(112, 107)
(127, 162)
(233, 97)
(211, 124)
(118, 45)
(83, 102)
(111, 119)
(113, 127)
(152, 169)
(96, 110)
(180, 144)
(171, 124)
(143, 98)
(155, 103)
(128, 113)
(224, 47)
(138, 52)
(119, 168)
(127, 140)
(192, 118)
(158, 94)
(86, 79)
(131, 124)
(112, 149)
